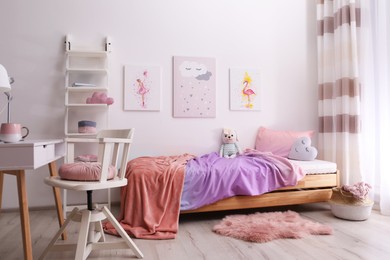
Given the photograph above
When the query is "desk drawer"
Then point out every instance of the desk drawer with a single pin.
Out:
(26, 156)
(43, 154)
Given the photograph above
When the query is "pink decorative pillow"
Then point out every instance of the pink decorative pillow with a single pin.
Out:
(86, 158)
(278, 142)
(84, 171)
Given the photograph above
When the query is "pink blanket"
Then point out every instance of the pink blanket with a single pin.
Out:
(150, 203)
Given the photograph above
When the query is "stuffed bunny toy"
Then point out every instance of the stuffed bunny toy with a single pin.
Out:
(229, 148)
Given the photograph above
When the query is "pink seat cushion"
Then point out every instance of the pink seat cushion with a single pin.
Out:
(84, 171)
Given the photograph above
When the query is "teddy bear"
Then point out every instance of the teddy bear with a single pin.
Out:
(229, 148)
(99, 98)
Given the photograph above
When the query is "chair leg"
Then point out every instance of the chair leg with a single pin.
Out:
(99, 228)
(98, 225)
(59, 232)
(122, 232)
(91, 234)
(81, 250)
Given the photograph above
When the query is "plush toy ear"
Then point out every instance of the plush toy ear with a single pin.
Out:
(223, 132)
(302, 150)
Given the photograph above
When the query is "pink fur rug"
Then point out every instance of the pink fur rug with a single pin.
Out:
(264, 227)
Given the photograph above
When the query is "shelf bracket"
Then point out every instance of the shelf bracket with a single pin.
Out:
(108, 44)
(67, 43)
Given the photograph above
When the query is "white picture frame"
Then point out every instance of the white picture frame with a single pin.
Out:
(142, 88)
(194, 83)
(245, 89)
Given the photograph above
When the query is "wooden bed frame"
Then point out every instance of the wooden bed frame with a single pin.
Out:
(312, 188)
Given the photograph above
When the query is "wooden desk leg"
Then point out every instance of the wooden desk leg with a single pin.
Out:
(57, 197)
(1, 188)
(24, 214)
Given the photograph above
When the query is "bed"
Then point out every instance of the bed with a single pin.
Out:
(316, 186)
(153, 199)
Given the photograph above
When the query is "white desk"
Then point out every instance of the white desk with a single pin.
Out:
(15, 158)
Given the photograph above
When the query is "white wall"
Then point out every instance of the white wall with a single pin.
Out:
(278, 37)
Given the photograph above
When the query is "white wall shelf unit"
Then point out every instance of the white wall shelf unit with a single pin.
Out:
(86, 72)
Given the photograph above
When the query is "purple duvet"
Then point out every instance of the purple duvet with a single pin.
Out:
(210, 178)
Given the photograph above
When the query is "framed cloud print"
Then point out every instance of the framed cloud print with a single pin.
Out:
(194, 87)
(142, 88)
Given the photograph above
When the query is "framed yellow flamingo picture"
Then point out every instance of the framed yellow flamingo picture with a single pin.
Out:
(142, 91)
(245, 89)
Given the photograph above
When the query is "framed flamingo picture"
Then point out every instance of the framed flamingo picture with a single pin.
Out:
(245, 89)
(142, 91)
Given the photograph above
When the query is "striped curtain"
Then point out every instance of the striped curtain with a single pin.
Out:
(338, 25)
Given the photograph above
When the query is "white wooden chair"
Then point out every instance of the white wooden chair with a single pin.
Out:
(112, 144)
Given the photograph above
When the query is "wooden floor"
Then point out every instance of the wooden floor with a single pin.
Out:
(368, 239)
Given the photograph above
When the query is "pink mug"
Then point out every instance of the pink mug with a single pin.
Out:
(12, 133)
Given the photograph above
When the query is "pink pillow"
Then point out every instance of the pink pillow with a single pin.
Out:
(278, 142)
(86, 158)
(84, 171)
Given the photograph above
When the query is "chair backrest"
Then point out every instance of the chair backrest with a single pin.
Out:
(114, 148)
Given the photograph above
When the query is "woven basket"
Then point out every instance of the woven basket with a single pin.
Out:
(345, 197)
(344, 205)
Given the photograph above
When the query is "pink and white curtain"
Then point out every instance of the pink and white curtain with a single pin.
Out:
(375, 79)
(354, 91)
(338, 23)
